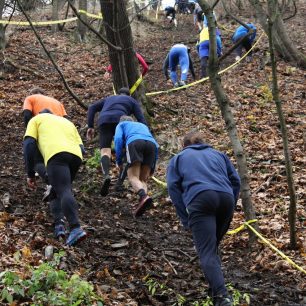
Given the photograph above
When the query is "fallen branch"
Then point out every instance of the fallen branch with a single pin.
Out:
(170, 264)
(17, 66)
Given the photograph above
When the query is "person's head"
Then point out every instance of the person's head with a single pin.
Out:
(37, 90)
(124, 91)
(193, 137)
(45, 111)
(126, 118)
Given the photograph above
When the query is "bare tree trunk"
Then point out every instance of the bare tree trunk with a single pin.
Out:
(55, 8)
(122, 35)
(282, 121)
(282, 42)
(227, 115)
(82, 29)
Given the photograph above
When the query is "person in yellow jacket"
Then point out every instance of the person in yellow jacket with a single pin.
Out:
(203, 49)
(62, 149)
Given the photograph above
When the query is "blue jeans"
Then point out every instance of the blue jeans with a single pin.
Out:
(178, 56)
(209, 217)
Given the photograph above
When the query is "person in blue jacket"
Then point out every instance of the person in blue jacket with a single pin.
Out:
(110, 110)
(141, 154)
(203, 49)
(246, 42)
(204, 188)
(179, 55)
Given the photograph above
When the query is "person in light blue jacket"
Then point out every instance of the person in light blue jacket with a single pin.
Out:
(141, 153)
(204, 188)
(246, 42)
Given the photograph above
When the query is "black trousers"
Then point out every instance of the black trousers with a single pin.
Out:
(62, 169)
(209, 217)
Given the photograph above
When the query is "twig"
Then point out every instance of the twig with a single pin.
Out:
(170, 264)
(76, 98)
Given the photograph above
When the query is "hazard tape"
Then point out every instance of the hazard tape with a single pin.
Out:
(266, 241)
(135, 86)
(50, 22)
(206, 78)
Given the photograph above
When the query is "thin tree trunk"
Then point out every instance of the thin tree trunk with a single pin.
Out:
(2, 28)
(81, 26)
(282, 42)
(55, 8)
(282, 121)
(228, 117)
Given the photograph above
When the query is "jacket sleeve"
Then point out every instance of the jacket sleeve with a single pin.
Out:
(191, 66)
(233, 177)
(143, 64)
(27, 115)
(138, 113)
(92, 110)
(29, 151)
(219, 45)
(166, 66)
(175, 191)
(119, 142)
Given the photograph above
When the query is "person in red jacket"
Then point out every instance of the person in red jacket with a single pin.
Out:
(141, 61)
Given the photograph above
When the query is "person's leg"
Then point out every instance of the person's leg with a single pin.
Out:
(106, 134)
(184, 63)
(144, 176)
(204, 60)
(173, 62)
(202, 221)
(133, 173)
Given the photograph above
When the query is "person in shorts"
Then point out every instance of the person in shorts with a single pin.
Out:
(141, 153)
(110, 110)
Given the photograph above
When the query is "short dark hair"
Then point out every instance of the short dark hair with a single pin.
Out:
(124, 91)
(45, 111)
(37, 90)
(126, 118)
(193, 137)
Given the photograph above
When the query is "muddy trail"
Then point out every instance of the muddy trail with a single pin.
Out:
(122, 254)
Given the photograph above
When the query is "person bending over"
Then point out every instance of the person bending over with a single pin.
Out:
(204, 188)
(110, 110)
(179, 55)
(61, 147)
(141, 153)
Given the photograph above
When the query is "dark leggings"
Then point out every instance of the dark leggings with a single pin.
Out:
(61, 169)
(209, 217)
(246, 44)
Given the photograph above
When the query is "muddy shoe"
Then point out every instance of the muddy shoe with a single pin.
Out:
(119, 186)
(59, 231)
(75, 236)
(105, 186)
(223, 301)
(144, 204)
(49, 194)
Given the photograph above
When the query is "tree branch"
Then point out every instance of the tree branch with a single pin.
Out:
(76, 98)
(92, 29)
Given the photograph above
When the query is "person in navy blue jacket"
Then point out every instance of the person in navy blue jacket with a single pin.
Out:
(110, 110)
(141, 154)
(204, 187)
(246, 42)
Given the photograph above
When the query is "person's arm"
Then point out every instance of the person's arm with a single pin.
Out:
(138, 113)
(191, 67)
(143, 64)
(175, 191)
(29, 150)
(92, 110)
(233, 177)
(27, 115)
(118, 141)
(166, 66)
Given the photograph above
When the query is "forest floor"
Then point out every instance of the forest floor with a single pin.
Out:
(155, 247)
